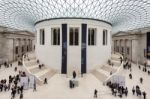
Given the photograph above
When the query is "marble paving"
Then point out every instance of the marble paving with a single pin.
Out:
(58, 86)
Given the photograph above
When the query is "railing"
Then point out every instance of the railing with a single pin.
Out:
(118, 70)
(39, 81)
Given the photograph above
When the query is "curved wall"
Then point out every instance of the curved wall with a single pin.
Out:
(51, 55)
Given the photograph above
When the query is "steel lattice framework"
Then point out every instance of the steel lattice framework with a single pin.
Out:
(122, 14)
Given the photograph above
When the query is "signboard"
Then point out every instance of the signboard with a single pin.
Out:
(24, 82)
(31, 81)
(118, 79)
(27, 82)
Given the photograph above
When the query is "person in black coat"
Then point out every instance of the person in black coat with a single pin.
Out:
(21, 89)
(148, 72)
(21, 95)
(133, 90)
(13, 93)
(139, 67)
(126, 91)
(34, 87)
(144, 95)
(141, 80)
(95, 93)
(45, 81)
(74, 74)
(130, 76)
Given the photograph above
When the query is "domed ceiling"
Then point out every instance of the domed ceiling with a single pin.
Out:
(122, 14)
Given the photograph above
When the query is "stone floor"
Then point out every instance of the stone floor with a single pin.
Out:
(58, 86)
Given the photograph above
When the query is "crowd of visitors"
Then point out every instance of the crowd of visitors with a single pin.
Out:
(37, 61)
(118, 90)
(6, 65)
(12, 83)
(138, 91)
(144, 68)
(127, 65)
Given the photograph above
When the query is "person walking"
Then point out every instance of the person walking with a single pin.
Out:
(130, 76)
(139, 67)
(133, 90)
(148, 72)
(74, 74)
(95, 93)
(34, 87)
(144, 95)
(141, 80)
(45, 81)
(21, 95)
(126, 91)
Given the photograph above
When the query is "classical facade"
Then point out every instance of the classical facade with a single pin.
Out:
(132, 44)
(14, 43)
(68, 44)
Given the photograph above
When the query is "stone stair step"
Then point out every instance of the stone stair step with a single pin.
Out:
(116, 63)
(115, 57)
(100, 75)
(30, 63)
(114, 67)
(108, 68)
(47, 75)
(35, 69)
(104, 72)
(39, 74)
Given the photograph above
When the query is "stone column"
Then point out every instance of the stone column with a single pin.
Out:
(19, 48)
(14, 48)
(30, 44)
(25, 45)
(117, 45)
(130, 49)
(114, 45)
(125, 47)
(120, 46)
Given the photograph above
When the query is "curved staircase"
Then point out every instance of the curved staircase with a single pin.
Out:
(105, 72)
(32, 67)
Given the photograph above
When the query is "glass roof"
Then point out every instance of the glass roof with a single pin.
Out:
(122, 14)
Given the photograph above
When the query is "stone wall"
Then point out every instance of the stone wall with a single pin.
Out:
(133, 45)
(13, 44)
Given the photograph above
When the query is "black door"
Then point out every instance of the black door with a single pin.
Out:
(83, 48)
(64, 49)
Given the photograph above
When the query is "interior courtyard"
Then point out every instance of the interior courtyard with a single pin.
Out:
(74, 49)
